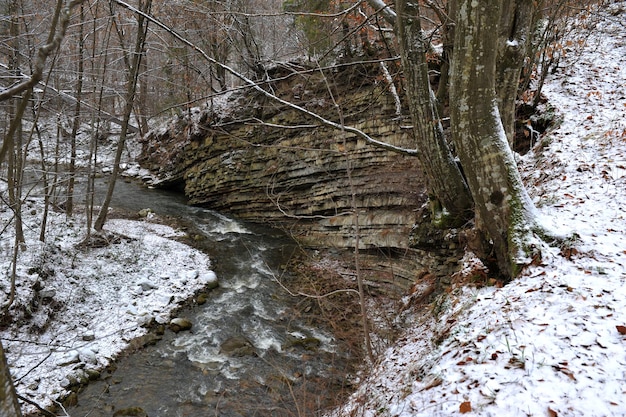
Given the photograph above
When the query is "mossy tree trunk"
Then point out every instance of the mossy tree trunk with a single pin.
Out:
(445, 180)
(504, 213)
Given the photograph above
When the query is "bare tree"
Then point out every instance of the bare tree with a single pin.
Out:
(452, 202)
(504, 212)
(133, 64)
(504, 215)
(78, 93)
(8, 400)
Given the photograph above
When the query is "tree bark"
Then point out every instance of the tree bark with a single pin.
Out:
(505, 213)
(447, 53)
(9, 405)
(445, 181)
(515, 26)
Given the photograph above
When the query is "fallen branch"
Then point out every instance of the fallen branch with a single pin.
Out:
(37, 406)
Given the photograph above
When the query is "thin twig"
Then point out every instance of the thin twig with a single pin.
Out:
(349, 129)
(33, 403)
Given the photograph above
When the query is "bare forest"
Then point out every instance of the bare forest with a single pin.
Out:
(82, 80)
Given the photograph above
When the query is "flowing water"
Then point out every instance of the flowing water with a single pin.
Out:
(249, 352)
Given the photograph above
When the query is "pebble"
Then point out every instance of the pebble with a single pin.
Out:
(69, 358)
(89, 336)
(147, 285)
(48, 293)
(210, 279)
(88, 356)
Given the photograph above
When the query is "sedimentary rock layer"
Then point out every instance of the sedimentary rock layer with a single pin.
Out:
(234, 158)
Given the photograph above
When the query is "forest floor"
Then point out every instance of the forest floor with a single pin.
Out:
(552, 342)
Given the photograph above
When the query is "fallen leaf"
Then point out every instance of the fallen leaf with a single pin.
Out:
(465, 361)
(569, 373)
(465, 407)
(552, 413)
(621, 329)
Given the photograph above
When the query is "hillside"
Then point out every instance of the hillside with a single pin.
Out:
(552, 342)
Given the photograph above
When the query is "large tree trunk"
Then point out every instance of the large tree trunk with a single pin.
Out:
(505, 213)
(515, 26)
(445, 181)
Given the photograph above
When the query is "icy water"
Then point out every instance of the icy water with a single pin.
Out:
(248, 353)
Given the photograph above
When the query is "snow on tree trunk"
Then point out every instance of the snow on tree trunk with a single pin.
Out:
(504, 212)
(445, 180)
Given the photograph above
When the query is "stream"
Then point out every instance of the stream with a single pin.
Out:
(249, 353)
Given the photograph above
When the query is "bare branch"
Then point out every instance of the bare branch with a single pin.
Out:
(262, 123)
(57, 32)
(40, 408)
(313, 296)
(288, 13)
(354, 131)
(439, 11)
(392, 88)
(295, 72)
(73, 100)
(387, 12)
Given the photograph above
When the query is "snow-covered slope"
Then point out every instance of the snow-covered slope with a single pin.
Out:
(553, 342)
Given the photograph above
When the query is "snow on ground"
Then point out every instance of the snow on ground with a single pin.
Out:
(551, 343)
(90, 301)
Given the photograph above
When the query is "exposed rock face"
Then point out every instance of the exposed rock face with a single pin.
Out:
(299, 178)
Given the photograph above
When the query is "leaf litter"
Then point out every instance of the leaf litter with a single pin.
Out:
(552, 342)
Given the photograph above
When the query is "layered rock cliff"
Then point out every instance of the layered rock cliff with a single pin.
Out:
(264, 162)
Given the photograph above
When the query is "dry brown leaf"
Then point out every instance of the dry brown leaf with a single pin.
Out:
(552, 413)
(465, 407)
(621, 329)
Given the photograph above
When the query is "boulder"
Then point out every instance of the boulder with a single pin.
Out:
(179, 324)
(237, 346)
